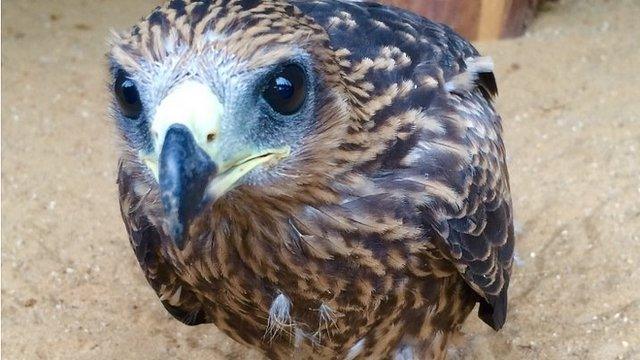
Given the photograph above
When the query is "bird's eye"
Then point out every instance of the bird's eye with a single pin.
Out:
(286, 90)
(128, 96)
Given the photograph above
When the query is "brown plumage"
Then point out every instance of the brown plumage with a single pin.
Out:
(370, 211)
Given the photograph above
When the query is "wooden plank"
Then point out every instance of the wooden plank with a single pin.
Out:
(492, 16)
(519, 16)
(476, 19)
(466, 12)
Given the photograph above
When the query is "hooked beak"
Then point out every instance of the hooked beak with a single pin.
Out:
(190, 180)
(184, 173)
(198, 162)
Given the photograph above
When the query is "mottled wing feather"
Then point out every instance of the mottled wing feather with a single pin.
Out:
(468, 200)
(474, 221)
(475, 224)
(145, 240)
(480, 235)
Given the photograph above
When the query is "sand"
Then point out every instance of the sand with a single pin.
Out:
(71, 288)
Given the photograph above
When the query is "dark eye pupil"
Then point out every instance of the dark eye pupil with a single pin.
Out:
(128, 96)
(284, 87)
(129, 92)
(286, 90)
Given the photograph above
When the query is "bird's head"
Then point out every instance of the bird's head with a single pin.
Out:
(217, 98)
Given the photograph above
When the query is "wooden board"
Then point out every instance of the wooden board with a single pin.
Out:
(476, 19)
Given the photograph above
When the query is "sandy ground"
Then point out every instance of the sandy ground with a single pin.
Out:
(71, 288)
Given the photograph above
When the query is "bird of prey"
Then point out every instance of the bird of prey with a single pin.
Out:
(317, 178)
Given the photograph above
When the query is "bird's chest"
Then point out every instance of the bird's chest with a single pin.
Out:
(312, 292)
(290, 284)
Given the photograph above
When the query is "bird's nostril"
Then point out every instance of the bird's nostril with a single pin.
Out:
(155, 134)
(211, 136)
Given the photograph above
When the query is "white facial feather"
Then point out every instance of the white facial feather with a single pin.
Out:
(194, 105)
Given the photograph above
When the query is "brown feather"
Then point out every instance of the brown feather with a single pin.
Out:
(399, 218)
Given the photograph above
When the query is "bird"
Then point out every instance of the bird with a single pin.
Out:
(321, 179)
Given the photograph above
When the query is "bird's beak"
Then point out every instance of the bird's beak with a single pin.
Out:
(196, 164)
(184, 173)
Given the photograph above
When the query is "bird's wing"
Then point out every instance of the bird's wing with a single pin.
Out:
(475, 220)
(459, 155)
(145, 240)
